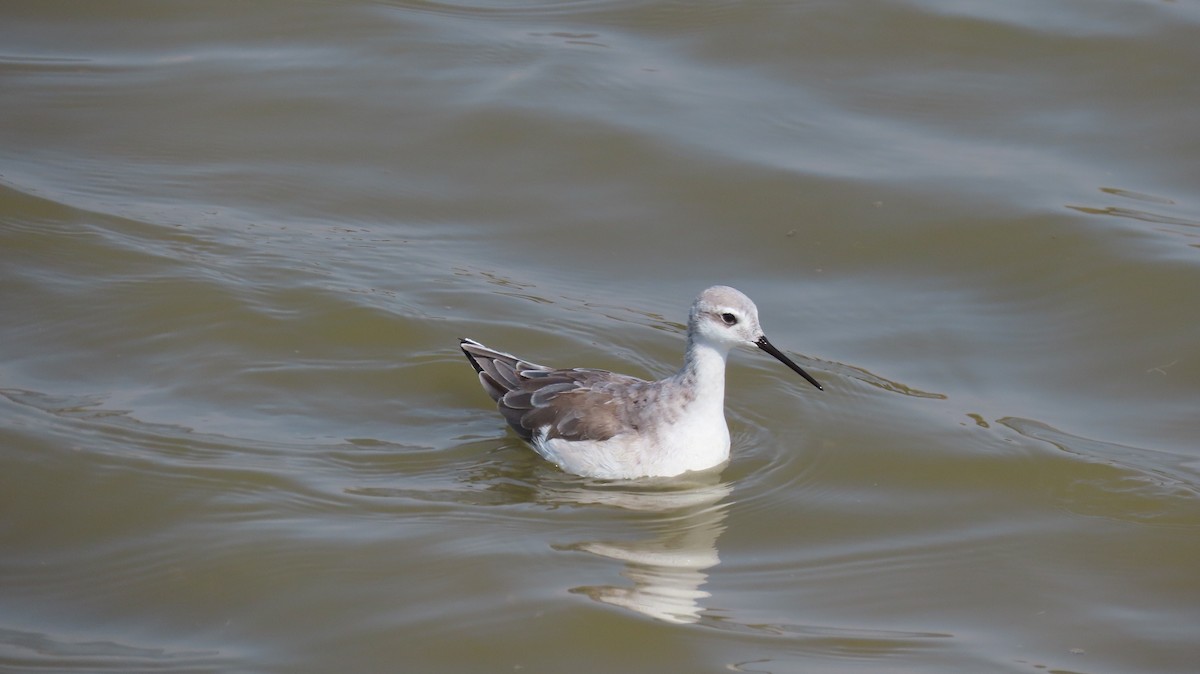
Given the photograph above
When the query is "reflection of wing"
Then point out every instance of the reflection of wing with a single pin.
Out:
(569, 404)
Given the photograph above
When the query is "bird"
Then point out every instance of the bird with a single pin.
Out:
(600, 424)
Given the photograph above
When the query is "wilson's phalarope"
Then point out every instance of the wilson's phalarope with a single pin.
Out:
(597, 423)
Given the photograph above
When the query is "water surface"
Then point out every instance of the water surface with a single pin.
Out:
(238, 243)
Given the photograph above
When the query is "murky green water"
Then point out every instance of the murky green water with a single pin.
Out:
(238, 242)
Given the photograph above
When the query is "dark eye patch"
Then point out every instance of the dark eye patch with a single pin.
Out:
(729, 319)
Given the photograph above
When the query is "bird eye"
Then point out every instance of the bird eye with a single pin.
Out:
(729, 319)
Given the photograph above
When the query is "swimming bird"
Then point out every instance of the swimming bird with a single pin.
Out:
(596, 423)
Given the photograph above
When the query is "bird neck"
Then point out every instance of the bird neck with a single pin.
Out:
(703, 371)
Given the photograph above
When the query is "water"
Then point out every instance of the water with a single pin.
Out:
(238, 243)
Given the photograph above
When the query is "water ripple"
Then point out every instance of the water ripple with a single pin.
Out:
(39, 651)
(1106, 479)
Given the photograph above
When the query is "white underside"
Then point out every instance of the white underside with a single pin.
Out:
(697, 441)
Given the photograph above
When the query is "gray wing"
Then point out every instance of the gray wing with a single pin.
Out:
(575, 404)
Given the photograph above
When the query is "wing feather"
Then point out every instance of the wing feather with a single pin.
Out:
(575, 404)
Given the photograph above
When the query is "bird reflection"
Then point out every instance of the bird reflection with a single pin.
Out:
(668, 568)
(670, 525)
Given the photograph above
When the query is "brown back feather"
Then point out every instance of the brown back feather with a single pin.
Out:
(576, 404)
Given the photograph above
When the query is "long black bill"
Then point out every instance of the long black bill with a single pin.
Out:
(763, 344)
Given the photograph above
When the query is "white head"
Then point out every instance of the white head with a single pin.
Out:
(723, 317)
